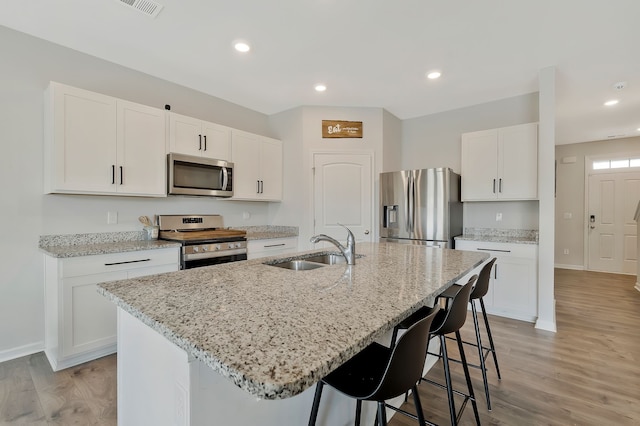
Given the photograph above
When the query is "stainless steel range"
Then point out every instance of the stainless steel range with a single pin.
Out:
(204, 240)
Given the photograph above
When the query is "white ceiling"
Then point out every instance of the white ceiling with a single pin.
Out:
(370, 53)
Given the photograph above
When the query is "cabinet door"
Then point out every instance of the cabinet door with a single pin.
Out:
(83, 141)
(185, 135)
(271, 169)
(216, 141)
(518, 162)
(479, 165)
(514, 291)
(141, 150)
(245, 154)
(88, 319)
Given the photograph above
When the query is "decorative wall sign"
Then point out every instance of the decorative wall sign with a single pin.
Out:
(341, 129)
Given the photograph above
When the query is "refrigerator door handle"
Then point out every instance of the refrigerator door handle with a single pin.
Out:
(408, 205)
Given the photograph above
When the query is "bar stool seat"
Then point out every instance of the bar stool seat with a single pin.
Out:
(379, 373)
(479, 291)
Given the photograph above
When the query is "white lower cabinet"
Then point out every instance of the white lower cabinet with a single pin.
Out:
(271, 247)
(513, 289)
(80, 324)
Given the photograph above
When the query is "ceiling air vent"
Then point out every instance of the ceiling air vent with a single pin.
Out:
(147, 7)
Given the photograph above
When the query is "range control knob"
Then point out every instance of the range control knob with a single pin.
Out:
(196, 249)
(218, 247)
(204, 248)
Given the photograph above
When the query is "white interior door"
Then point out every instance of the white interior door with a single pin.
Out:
(613, 198)
(343, 194)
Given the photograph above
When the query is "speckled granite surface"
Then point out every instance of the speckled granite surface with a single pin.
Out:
(268, 231)
(74, 245)
(517, 236)
(275, 332)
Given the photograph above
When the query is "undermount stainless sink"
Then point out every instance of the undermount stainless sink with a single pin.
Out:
(309, 262)
(327, 259)
(297, 265)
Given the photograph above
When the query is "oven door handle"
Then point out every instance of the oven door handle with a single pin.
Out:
(213, 255)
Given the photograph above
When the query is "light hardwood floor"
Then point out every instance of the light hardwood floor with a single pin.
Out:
(588, 373)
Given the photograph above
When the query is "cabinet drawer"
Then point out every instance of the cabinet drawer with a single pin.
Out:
(500, 249)
(88, 265)
(271, 247)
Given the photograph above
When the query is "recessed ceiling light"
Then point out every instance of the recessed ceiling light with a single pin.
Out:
(611, 102)
(433, 75)
(242, 47)
(320, 87)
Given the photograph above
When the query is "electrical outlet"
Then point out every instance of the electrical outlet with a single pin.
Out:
(498, 217)
(566, 251)
(112, 218)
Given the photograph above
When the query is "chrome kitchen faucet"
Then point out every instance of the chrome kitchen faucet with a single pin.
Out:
(348, 252)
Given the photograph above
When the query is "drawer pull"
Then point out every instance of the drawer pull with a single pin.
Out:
(274, 245)
(501, 251)
(128, 261)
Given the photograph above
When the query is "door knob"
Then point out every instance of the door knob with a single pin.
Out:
(366, 232)
(592, 227)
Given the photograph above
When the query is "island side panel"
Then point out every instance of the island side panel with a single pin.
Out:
(153, 377)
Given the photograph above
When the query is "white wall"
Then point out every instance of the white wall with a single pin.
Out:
(570, 194)
(434, 141)
(28, 64)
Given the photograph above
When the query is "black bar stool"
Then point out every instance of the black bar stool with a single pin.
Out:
(479, 291)
(447, 321)
(378, 373)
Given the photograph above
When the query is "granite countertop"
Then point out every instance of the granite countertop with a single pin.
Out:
(268, 232)
(275, 332)
(75, 245)
(490, 235)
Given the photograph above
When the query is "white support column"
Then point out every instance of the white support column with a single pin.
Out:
(546, 192)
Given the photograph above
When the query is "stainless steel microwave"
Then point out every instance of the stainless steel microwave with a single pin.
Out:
(190, 175)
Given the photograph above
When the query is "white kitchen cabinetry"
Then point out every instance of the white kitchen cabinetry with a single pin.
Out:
(96, 144)
(191, 136)
(271, 247)
(257, 167)
(500, 164)
(513, 289)
(80, 324)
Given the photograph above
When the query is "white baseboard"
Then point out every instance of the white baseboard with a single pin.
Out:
(20, 351)
(574, 267)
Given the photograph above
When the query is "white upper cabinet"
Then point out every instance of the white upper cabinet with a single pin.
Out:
(191, 136)
(141, 150)
(500, 164)
(257, 167)
(96, 144)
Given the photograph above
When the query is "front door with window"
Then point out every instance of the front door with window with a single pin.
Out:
(612, 239)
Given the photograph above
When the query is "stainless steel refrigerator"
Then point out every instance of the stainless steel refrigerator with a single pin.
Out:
(420, 207)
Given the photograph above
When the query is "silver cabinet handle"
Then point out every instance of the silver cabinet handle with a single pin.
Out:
(366, 232)
(274, 245)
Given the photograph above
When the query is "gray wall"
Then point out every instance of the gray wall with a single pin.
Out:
(570, 195)
(28, 64)
(300, 130)
(434, 141)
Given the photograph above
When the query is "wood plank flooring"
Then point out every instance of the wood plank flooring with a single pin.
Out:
(588, 373)
(31, 393)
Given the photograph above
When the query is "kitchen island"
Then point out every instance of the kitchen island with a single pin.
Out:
(244, 342)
